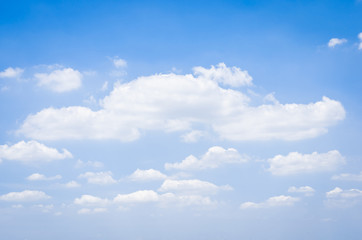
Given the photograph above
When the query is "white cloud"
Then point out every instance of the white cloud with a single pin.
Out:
(61, 80)
(142, 196)
(348, 177)
(72, 184)
(233, 76)
(147, 175)
(336, 41)
(306, 190)
(277, 201)
(170, 102)
(104, 86)
(94, 164)
(191, 187)
(89, 200)
(360, 38)
(101, 178)
(213, 158)
(31, 151)
(296, 163)
(119, 63)
(24, 196)
(41, 177)
(11, 72)
(45, 208)
(343, 198)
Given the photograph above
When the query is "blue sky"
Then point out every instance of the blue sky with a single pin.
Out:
(180, 120)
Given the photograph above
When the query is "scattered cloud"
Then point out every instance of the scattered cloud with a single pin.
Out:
(336, 41)
(101, 178)
(60, 80)
(192, 136)
(306, 190)
(91, 211)
(213, 158)
(24, 196)
(45, 208)
(191, 187)
(104, 86)
(11, 73)
(41, 177)
(277, 201)
(147, 175)
(31, 151)
(343, 198)
(142, 196)
(348, 177)
(171, 102)
(296, 163)
(360, 39)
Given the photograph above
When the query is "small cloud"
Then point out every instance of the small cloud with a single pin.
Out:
(94, 164)
(348, 177)
(192, 187)
(89, 200)
(306, 190)
(336, 41)
(147, 175)
(61, 80)
(104, 86)
(31, 151)
(41, 177)
(24, 196)
(101, 178)
(360, 39)
(119, 62)
(343, 198)
(72, 184)
(192, 136)
(277, 201)
(91, 211)
(11, 73)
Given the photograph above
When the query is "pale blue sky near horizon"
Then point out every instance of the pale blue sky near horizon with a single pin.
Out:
(103, 103)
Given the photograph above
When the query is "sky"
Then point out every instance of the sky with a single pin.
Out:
(180, 119)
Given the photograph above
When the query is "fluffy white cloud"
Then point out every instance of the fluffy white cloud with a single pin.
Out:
(336, 41)
(191, 187)
(89, 200)
(343, 198)
(348, 177)
(61, 80)
(142, 196)
(213, 158)
(147, 175)
(31, 151)
(295, 163)
(41, 177)
(171, 102)
(72, 184)
(306, 190)
(11, 72)
(24, 196)
(276, 201)
(101, 178)
(192, 136)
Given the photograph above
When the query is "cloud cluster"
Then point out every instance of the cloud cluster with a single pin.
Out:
(171, 102)
(213, 158)
(295, 163)
(276, 201)
(31, 151)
